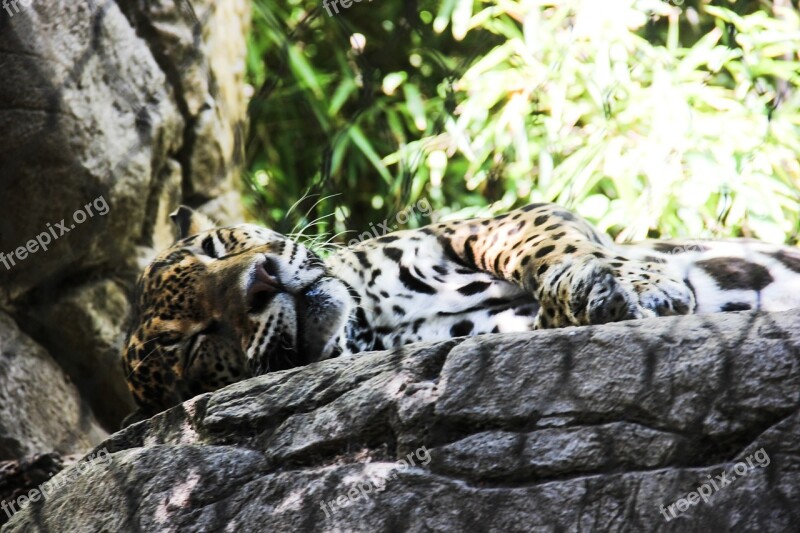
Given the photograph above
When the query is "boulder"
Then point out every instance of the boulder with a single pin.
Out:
(114, 114)
(675, 424)
(41, 410)
(89, 115)
(84, 329)
(133, 103)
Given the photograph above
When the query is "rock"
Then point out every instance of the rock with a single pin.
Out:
(201, 48)
(114, 101)
(40, 408)
(91, 320)
(590, 428)
(89, 115)
(19, 477)
(114, 114)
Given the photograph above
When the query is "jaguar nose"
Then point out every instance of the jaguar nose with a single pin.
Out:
(263, 285)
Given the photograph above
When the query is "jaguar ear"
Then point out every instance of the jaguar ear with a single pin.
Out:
(190, 222)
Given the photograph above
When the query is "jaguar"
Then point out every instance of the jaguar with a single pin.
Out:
(224, 304)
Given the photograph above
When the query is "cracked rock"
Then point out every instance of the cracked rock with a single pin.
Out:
(614, 427)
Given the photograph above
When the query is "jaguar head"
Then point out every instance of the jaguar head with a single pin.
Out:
(223, 304)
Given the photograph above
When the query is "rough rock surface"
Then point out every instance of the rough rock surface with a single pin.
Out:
(590, 429)
(40, 408)
(139, 103)
(127, 100)
(89, 349)
(19, 477)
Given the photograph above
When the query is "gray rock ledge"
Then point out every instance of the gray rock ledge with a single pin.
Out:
(586, 429)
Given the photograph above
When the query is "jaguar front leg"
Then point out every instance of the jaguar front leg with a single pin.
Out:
(571, 269)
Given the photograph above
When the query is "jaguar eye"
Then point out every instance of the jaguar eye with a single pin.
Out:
(208, 247)
(169, 339)
(211, 329)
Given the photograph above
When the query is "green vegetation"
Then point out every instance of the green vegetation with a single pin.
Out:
(649, 119)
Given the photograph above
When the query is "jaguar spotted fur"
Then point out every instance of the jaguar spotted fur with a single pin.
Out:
(223, 304)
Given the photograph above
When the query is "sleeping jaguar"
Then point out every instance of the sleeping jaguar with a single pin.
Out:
(223, 304)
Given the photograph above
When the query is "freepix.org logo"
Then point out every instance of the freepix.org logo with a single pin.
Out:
(50, 487)
(54, 231)
(328, 4)
(367, 488)
(704, 491)
(422, 207)
(8, 4)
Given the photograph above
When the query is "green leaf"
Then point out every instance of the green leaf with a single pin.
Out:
(415, 106)
(343, 92)
(360, 140)
(304, 72)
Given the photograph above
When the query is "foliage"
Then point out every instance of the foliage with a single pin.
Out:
(648, 118)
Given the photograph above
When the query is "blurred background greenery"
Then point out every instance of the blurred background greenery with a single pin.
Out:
(649, 118)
